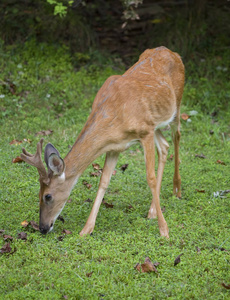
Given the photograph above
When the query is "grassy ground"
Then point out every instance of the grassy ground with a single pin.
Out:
(41, 90)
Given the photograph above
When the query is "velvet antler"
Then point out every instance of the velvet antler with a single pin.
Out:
(36, 161)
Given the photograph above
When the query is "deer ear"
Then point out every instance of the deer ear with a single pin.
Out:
(56, 164)
(53, 160)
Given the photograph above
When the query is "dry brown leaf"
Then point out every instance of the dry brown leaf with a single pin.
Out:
(184, 116)
(200, 155)
(220, 162)
(6, 248)
(65, 231)
(114, 172)
(25, 223)
(44, 132)
(198, 250)
(88, 200)
(96, 167)
(34, 225)
(17, 160)
(96, 174)
(124, 167)
(15, 142)
(147, 266)
(226, 286)
(88, 185)
(171, 157)
(22, 236)
(89, 274)
(200, 191)
(107, 205)
(138, 267)
(129, 208)
(7, 237)
(177, 260)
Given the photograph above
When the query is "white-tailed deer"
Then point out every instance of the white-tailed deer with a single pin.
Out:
(128, 108)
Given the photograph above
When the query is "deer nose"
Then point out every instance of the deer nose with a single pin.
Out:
(44, 229)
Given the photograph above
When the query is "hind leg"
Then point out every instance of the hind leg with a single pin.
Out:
(149, 150)
(176, 140)
(162, 151)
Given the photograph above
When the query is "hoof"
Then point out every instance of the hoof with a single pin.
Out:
(164, 231)
(87, 230)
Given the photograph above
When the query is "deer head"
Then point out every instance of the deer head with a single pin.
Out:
(54, 190)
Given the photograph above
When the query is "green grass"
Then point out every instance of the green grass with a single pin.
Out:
(44, 267)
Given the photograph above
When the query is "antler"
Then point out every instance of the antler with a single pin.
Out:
(36, 161)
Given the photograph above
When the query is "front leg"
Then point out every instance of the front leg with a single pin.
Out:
(110, 163)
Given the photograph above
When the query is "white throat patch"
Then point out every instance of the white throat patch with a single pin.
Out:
(62, 177)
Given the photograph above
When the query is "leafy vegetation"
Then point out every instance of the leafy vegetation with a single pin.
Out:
(42, 88)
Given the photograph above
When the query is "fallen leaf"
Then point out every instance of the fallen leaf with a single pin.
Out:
(7, 237)
(34, 225)
(124, 167)
(107, 205)
(44, 132)
(89, 274)
(12, 88)
(198, 250)
(184, 116)
(6, 248)
(220, 162)
(147, 266)
(214, 114)
(61, 238)
(88, 200)
(138, 267)
(200, 191)
(171, 157)
(65, 231)
(223, 249)
(96, 174)
(22, 236)
(96, 167)
(15, 142)
(88, 185)
(17, 160)
(130, 207)
(25, 223)
(177, 260)
(226, 286)
(114, 172)
(200, 155)
(61, 219)
(1, 231)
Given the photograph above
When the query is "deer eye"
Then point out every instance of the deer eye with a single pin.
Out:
(48, 197)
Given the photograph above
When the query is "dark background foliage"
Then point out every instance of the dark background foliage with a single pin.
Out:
(190, 27)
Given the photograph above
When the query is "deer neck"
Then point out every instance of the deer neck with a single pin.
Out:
(90, 144)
